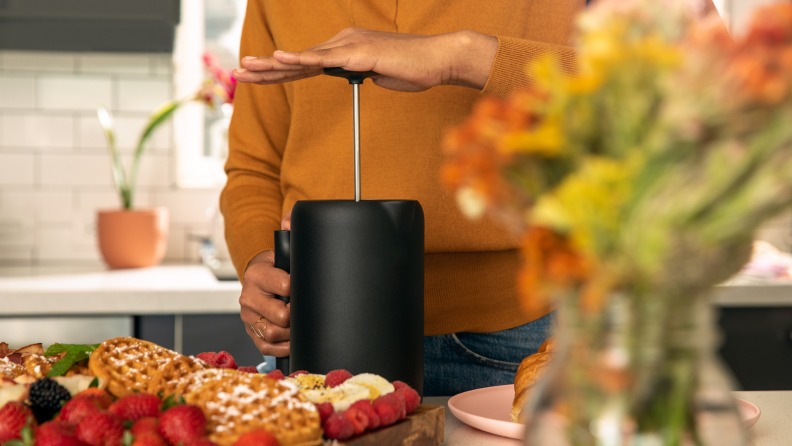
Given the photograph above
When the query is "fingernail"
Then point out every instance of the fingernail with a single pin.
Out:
(284, 285)
(249, 58)
(241, 70)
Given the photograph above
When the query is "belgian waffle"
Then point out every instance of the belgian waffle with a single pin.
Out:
(172, 377)
(128, 364)
(242, 402)
(9, 369)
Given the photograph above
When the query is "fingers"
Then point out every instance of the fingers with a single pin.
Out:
(274, 77)
(286, 222)
(337, 56)
(251, 63)
(264, 329)
(263, 278)
(277, 349)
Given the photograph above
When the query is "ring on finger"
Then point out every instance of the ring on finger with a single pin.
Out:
(257, 331)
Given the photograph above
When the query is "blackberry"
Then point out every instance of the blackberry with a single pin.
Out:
(46, 399)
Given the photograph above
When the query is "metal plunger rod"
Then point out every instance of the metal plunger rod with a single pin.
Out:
(356, 113)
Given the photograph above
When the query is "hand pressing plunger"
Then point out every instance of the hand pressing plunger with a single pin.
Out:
(404, 62)
(266, 317)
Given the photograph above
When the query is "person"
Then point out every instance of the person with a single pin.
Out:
(292, 141)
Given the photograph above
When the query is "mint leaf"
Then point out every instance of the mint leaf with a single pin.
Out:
(94, 383)
(74, 353)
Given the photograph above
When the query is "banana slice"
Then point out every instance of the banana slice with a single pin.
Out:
(377, 384)
(341, 396)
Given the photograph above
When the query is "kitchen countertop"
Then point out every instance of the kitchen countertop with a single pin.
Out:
(774, 427)
(192, 289)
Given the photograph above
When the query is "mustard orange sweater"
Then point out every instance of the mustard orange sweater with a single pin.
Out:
(293, 141)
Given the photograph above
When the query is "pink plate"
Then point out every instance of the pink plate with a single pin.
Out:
(489, 409)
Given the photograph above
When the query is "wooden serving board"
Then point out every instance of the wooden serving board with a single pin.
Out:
(424, 427)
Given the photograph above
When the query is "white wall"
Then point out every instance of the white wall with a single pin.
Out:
(54, 165)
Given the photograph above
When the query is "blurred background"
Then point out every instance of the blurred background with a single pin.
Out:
(62, 59)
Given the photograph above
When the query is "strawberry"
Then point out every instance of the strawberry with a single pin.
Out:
(105, 399)
(149, 439)
(337, 377)
(148, 424)
(201, 442)
(100, 429)
(182, 423)
(136, 406)
(80, 407)
(258, 437)
(13, 417)
(57, 433)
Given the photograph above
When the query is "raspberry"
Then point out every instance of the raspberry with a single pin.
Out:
(248, 369)
(206, 357)
(46, 398)
(399, 385)
(148, 424)
(80, 407)
(358, 419)
(337, 377)
(402, 404)
(411, 399)
(223, 360)
(258, 437)
(136, 406)
(338, 427)
(275, 374)
(298, 372)
(325, 410)
(388, 409)
(100, 429)
(365, 407)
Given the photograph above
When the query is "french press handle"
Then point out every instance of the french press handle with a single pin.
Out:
(354, 77)
(283, 261)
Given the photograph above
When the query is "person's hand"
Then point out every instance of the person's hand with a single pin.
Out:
(266, 318)
(405, 62)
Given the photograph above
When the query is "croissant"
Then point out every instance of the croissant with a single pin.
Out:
(528, 374)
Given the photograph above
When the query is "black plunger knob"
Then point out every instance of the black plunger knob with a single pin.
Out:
(354, 77)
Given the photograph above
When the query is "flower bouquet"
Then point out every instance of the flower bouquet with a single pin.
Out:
(637, 183)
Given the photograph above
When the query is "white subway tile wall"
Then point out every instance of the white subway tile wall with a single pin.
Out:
(54, 166)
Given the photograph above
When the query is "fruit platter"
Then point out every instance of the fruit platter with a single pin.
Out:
(130, 392)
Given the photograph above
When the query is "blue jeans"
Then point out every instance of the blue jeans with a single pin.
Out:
(459, 362)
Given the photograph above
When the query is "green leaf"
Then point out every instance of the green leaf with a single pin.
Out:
(94, 383)
(128, 438)
(55, 349)
(119, 177)
(172, 400)
(155, 119)
(74, 353)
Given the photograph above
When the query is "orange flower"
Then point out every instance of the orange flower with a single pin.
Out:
(551, 264)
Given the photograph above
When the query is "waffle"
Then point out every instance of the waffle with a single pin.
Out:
(38, 366)
(167, 380)
(128, 364)
(242, 402)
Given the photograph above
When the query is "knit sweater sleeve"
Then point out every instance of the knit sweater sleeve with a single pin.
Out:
(509, 71)
(251, 201)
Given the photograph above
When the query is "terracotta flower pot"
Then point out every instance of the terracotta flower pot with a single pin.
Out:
(133, 239)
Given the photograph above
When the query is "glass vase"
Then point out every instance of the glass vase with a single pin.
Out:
(640, 372)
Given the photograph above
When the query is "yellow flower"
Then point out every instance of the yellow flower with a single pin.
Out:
(545, 140)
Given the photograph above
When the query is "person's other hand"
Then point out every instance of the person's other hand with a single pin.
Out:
(405, 62)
